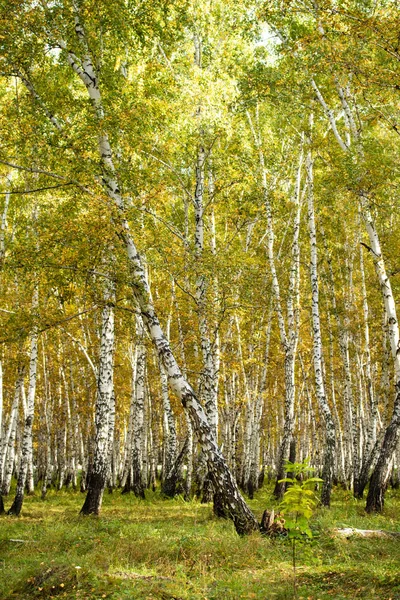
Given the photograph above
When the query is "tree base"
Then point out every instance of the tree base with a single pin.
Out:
(16, 505)
(208, 491)
(94, 496)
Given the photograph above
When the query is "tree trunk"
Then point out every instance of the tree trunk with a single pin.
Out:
(137, 483)
(380, 476)
(30, 406)
(330, 433)
(97, 478)
(9, 450)
(223, 481)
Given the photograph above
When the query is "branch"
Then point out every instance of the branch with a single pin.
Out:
(51, 325)
(368, 248)
(48, 173)
(51, 187)
(84, 350)
(172, 169)
(38, 99)
(349, 531)
(164, 222)
(329, 114)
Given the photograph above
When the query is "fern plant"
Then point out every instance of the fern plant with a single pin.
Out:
(298, 504)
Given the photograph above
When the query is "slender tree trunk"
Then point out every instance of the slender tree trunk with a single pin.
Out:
(98, 474)
(289, 327)
(330, 433)
(223, 481)
(169, 484)
(381, 473)
(138, 480)
(29, 414)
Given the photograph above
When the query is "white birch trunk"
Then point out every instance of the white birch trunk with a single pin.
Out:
(138, 484)
(105, 390)
(289, 327)
(381, 472)
(9, 453)
(330, 433)
(26, 454)
(222, 478)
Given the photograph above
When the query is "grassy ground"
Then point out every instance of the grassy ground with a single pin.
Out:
(165, 549)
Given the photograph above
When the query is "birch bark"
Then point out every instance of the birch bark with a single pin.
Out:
(330, 433)
(223, 481)
(208, 389)
(97, 478)
(9, 451)
(138, 480)
(289, 327)
(29, 415)
(381, 473)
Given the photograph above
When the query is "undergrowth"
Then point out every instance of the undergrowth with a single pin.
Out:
(171, 549)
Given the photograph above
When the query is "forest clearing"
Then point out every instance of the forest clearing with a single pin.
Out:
(199, 288)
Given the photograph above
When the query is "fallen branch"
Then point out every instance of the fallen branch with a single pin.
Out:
(124, 575)
(349, 531)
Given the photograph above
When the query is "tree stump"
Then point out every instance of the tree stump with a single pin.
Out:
(272, 524)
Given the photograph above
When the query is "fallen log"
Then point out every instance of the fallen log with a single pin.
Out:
(366, 533)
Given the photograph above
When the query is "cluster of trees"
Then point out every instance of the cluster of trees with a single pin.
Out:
(198, 253)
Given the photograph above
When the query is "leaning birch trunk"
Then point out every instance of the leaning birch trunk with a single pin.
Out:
(9, 450)
(29, 414)
(97, 478)
(381, 473)
(371, 434)
(330, 433)
(223, 481)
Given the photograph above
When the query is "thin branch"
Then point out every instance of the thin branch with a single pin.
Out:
(160, 160)
(55, 324)
(48, 173)
(50, 187)
(329, 114)
(164, 222)
(83, 349)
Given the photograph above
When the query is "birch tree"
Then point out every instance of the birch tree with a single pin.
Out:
(223, 482)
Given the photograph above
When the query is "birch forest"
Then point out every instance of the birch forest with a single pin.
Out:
(200, 267)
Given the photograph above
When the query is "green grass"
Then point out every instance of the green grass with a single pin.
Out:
(165, 549)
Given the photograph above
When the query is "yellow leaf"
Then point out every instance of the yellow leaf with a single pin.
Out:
(117, 63)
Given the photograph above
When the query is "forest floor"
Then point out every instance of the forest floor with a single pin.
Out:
(171, 549)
